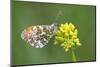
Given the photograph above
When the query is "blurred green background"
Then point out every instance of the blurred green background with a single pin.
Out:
(25, 14)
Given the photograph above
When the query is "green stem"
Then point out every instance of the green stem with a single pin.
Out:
(73, 55)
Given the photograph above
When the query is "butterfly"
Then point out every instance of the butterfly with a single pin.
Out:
(38, 35)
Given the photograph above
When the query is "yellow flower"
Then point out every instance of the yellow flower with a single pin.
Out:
(67, 36)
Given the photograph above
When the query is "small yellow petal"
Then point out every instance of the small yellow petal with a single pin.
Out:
(76, 32)
(66, 34)
(71, 33)
(60, 39)
(62, 44)
(76, 40)
(55, 42)
(66, 49)
(78, 44)
(61, 29)
(59, 33)
(73, 37)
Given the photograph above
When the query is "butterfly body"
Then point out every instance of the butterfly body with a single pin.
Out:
(39, 35)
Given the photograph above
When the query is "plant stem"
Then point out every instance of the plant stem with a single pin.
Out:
(73, 55)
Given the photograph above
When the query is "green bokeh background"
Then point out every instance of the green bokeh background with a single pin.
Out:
(25, 14)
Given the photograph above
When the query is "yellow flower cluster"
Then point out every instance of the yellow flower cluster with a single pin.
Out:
(67, 36)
